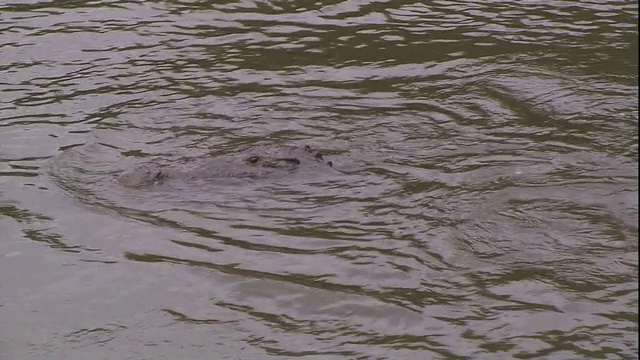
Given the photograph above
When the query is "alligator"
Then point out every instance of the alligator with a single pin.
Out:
(253, 163)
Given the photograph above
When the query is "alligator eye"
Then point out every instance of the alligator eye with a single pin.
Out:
(307, 147)
(330, 163)
(253, 159)
(319, 156)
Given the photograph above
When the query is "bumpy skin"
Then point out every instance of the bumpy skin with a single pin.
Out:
(254, 163)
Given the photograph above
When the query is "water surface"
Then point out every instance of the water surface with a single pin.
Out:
(489, 209)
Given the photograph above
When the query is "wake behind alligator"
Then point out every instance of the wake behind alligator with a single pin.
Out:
(254, 163)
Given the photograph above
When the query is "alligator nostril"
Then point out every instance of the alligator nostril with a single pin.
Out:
(307, 147)
(330, 163)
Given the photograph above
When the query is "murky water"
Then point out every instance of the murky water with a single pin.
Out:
(487, 209)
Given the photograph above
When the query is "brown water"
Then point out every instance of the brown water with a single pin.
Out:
(489, 210)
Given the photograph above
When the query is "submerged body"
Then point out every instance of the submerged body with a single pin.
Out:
(253, 163)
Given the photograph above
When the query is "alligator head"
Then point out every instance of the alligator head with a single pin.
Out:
(256, 162)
